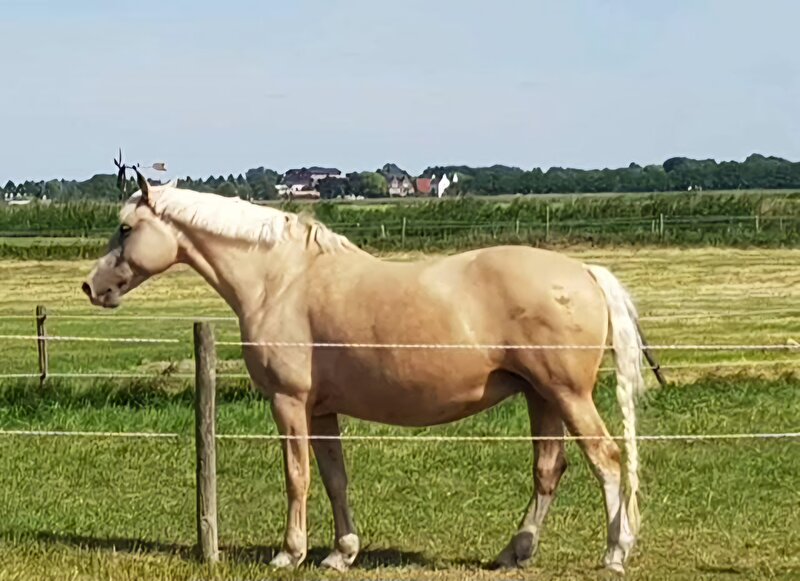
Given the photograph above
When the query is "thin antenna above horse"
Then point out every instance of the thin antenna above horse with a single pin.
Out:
(122, 182)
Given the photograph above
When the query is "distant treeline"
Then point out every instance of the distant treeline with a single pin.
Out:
(677, 173)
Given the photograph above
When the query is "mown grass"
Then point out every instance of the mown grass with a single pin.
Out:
(685, 296)
(124, 509)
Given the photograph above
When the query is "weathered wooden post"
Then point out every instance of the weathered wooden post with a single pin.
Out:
(41, 342)
(403, 233)
(205, 362)
(661, 225)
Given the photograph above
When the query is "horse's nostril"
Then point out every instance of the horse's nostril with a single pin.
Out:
(87, 289)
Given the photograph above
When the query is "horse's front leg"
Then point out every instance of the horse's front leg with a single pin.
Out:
(328, 451)
(292, 420)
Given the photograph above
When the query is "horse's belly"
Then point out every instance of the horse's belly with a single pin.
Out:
(409, 403)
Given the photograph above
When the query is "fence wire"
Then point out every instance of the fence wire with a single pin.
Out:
(791, 345)
(396, 438)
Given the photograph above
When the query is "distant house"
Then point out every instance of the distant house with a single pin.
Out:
(306, 178)
(423, 186)
(320, 173)
(301, 183)
(439, 185)
(398, 180)
(16, 199)
(400, 186)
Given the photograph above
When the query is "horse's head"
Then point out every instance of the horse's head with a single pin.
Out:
(141, 247)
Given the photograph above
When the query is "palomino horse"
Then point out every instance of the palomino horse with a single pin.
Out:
(291, 279)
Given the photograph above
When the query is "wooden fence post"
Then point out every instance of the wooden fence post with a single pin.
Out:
(661, 225)
(205, 362)
(41, 342)
(403, 233)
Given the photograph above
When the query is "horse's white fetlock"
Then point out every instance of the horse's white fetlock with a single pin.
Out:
(284, 560)
(616, 556)
(344, 554)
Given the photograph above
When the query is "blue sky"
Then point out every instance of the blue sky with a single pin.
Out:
(219, 87)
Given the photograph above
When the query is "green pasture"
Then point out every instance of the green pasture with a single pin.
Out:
(87, 508)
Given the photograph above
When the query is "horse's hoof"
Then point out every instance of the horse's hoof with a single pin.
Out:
(505, 560)
(519, 552)
(335, 561)
(344, 554)
(615, 558)
(284, 560)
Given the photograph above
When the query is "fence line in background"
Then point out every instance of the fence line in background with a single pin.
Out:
(655, 223)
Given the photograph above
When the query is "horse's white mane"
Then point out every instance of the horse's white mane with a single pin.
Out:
(237, 219)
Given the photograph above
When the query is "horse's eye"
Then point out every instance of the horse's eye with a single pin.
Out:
(124, 229)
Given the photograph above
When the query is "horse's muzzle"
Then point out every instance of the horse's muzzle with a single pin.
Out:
(107, 300)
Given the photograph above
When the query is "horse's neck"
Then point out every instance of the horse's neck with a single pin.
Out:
(245, 277)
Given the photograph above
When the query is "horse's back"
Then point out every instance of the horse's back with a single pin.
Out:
(487, 290)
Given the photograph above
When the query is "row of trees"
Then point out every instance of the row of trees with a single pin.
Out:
(678, 173)
(256, 184)
(368, 184)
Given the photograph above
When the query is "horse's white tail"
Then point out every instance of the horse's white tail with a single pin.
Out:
(627, 344)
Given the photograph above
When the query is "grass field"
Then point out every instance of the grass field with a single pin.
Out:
(81, 509)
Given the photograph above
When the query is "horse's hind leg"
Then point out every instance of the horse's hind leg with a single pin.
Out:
(549, 463)
(330, 460)
(583, 421)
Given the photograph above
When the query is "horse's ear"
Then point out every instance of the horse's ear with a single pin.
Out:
(173, 183)
(144, 187)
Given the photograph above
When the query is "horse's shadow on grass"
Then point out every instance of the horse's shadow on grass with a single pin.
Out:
(248, 554)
